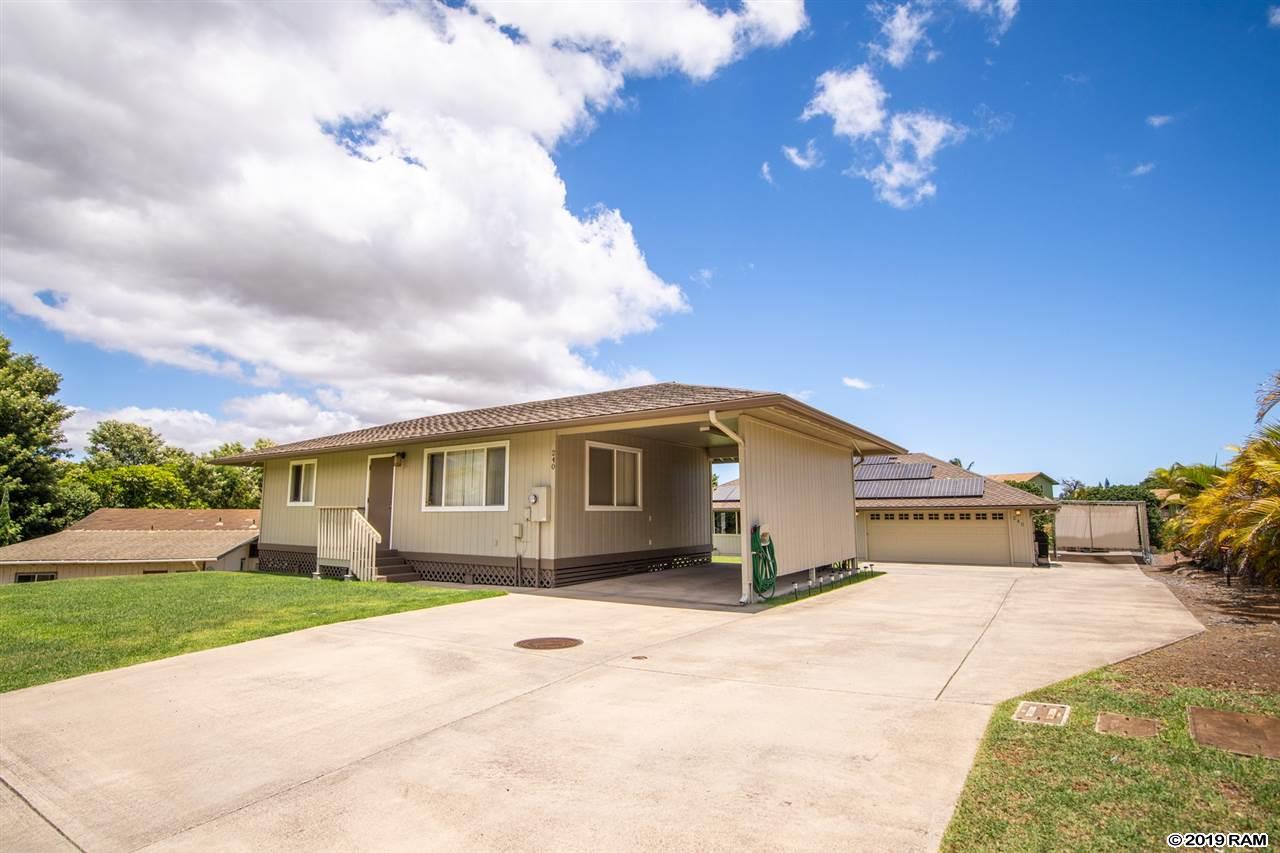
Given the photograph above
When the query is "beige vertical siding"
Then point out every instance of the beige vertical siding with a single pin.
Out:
(75, 571)
(231, 562)
(481, 533)
(1022, 542)
(802, 491)
(341, 480)
(727, 544)
(862, 535)
(676, 496)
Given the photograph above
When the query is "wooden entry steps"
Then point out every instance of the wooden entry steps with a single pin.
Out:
(392, 568)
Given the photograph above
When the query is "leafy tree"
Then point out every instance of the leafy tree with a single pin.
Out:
(1182, 482)
(31, 442)
(139, 486)
(115, 443)
(1155, 521)
(1068, 488)
(76, 496)
(1040, 519)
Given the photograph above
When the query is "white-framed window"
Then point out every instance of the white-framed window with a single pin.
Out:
(980, 516)
(726, 522)
(33, 577)
(615, 476)
(917, 516)
(964, 516)
(997, 516)
(302, 482)
(875, 516)
(948, 516)
(933, 516)
(903, 516)
(470, 477)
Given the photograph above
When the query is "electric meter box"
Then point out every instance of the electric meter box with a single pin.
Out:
(540, 503)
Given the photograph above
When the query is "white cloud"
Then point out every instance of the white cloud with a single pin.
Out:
(855, 382)
(802, 396)
(1159, 120)
(1142, 169)
(1273, 16)
(1000, 12)
(766, 172)
(853, 99)
(904, 178)
(703, 276)
(807, 159)
(280, 417)
(903, 29)
(358, 198)
(1075, 78)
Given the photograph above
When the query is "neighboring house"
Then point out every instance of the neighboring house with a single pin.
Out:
(914, 508)
(1039, 479)
(725, 531)
(561, 491)
(137, 542)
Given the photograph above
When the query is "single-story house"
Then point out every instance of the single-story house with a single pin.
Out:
(915, 508)
(561, 491)
(725, 531)
(137, 542)
(1039, 479)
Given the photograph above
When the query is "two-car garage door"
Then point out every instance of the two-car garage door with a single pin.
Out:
(970, 537)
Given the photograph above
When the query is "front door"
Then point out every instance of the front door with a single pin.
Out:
(381, 494)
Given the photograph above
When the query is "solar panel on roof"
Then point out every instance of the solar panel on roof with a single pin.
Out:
(960, 487)
(895, 471)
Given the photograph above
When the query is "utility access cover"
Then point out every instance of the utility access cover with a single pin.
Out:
(543, 644)
(1043, 713)
(1243, 734)
(1123, 724)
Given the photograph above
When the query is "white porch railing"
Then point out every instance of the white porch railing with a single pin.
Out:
(345, 539)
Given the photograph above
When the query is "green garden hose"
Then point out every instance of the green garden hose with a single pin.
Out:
(764, 564)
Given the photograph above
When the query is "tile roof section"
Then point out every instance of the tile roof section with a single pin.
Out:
(539, 413)
(995, 493)
(169, 519)
(127, 546)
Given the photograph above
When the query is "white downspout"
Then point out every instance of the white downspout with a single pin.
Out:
(744, 529)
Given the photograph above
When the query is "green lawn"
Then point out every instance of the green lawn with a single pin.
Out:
(784, 596)
(1037, 787)
(59, 629)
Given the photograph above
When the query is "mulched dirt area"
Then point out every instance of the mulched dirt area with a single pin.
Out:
(1240, 648)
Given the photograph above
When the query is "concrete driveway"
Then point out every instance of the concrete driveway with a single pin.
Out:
(844, 722)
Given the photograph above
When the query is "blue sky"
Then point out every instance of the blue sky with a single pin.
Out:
(1090, 291)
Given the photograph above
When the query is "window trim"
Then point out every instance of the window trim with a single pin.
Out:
(36, 577)
(288, 494)
(444, 478)
(586, 478)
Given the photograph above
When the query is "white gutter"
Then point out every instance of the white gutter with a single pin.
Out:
(744, 530)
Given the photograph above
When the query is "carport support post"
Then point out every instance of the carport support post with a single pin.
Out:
(744, 528)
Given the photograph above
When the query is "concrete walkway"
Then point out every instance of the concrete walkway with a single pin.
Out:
(842, 722)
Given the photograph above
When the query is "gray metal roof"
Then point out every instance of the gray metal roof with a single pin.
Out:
(727, 492)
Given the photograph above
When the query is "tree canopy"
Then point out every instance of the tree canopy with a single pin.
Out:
(31, 443)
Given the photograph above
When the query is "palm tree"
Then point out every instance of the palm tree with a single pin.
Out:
(1235, 522)
(1181, 483)
(1268, 395)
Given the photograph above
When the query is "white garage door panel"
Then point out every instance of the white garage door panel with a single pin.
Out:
(980, 542)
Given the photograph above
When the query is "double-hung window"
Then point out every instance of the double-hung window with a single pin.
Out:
(302, 483)
(614, 476)
(473, 477)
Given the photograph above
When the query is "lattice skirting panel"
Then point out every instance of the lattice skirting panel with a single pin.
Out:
(286, 562)
(640, 565)
(444, 572)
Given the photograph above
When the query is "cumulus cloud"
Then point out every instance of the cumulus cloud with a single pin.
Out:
(856, 383)
(1142, 169)
(903, 178)
(1000, 12)
(1159, 120)
(766, 173)
(280, 417)
(1273, 17)
(357, 198)
(809, 158)
(854, 100)
(903, 28)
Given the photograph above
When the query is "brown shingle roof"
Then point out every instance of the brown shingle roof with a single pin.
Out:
(1022, 477)
(126, 546)
(995, 493)
(169, 519)
(539, 414)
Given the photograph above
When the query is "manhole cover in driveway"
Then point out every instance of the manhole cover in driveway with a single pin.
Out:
(1043, 713)
(1123, 724)
(1243, 734)
(543, 644)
